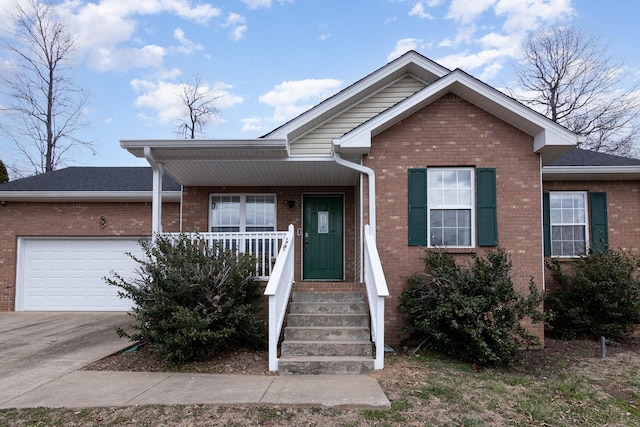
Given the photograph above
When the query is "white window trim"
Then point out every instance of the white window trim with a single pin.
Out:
(586, 223)
(472, 207)
(243, 210)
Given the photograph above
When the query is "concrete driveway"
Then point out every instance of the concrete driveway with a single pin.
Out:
(38, 347)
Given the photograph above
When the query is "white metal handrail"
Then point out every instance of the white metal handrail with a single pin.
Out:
(278, 290)
(377, 291)
(264, 246)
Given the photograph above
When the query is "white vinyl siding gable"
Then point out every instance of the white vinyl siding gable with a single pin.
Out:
(318, 141)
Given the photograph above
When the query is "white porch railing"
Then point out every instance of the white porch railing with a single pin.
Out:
(377, 291)
(278, 290)
(264, 246)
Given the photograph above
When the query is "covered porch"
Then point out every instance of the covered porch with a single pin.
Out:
(267, 197)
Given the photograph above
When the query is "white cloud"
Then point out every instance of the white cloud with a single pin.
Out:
(486, 47)
(163, 98)
(403, 46)
(256, 4)
(466, 11)
(523, 16)
(186, 46)
(291, 98)
(122, 59)
(108, 27)
(237, 24)
(418, 10)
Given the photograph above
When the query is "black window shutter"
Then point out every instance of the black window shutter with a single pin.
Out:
(417, 207)
(599, 222)
(546, 223)
(487, 207)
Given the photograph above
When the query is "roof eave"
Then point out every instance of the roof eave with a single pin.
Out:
(136, 147)
(590, 173)
(89, 196)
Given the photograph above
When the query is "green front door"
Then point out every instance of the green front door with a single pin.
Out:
(322, 237)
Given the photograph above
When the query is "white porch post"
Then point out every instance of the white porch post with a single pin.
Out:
(156, 200)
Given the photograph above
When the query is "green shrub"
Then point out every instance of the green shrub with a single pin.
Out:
(192, 301)
(598, 295)
(472, 313)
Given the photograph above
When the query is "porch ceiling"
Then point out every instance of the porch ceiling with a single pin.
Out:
(239, 163)
(287, 172)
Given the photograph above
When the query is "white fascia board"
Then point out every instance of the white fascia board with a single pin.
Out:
(91, 196)
(591, 170)
(137, 146)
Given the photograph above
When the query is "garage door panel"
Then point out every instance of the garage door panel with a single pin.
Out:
(68, 274)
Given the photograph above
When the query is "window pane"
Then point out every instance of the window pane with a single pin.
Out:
(464, 197)
(464, 179)
(436, 197)
(556, 216)
(450, 237)
(449, 218)
(225, 210)
(450, 197)
(260, 210)
(450, 179)
(450, 227)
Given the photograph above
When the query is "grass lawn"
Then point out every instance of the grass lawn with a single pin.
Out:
(566, 385)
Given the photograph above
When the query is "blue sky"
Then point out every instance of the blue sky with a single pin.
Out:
(269, 60)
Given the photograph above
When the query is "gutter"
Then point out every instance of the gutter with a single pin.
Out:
(92, 196)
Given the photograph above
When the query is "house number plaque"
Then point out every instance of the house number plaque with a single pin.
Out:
(323, 222)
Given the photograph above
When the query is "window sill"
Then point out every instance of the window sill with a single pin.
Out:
(454, 250)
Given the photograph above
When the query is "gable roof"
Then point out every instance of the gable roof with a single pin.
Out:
(413, 63)
(585, 165)
(550, 138)
(580, 157)
(88, 183)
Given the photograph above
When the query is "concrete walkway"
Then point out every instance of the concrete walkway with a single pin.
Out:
(81, 389)
(42, 355)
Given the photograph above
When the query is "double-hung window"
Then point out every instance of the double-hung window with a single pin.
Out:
(575, 222)
(242, 213)
(568, 216)
(450, 207)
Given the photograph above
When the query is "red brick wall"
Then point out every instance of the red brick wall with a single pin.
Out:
(453, 132)
(195, 214)
(623, 210)
(71, 219)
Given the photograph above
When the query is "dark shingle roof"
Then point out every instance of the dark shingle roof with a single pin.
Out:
(578, 157)
(92, 179)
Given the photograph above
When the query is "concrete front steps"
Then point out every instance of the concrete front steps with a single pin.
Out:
(327, 333)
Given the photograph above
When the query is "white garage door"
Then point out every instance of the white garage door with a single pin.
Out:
(68, 274)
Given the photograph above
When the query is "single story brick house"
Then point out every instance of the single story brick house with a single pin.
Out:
(412, 155)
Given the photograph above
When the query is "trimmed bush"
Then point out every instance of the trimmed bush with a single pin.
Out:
(598, 295)
(471, 313)
(192, 301)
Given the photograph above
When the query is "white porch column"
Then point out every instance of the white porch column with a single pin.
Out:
(156, 199)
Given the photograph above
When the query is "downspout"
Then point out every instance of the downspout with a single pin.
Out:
(156, 199)
(372, 187)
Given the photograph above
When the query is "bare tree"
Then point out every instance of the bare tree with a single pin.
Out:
(568, 76)
(197, 101)
(45, 107)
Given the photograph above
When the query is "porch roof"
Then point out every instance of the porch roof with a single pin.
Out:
(250, 162)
